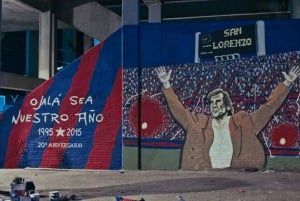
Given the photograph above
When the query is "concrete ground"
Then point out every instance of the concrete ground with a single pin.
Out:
(154, 185)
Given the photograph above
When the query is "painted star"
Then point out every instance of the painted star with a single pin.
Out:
(60, 132)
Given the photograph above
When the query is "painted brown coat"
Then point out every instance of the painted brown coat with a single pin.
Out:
(248, 151)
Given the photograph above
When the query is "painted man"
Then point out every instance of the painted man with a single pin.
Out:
(224, 139)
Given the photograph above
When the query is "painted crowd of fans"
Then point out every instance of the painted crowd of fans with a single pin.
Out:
(248, 80)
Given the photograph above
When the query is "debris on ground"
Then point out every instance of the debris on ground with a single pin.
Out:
(179, 198)
(65, 198)
(21, 190)
(118, 198)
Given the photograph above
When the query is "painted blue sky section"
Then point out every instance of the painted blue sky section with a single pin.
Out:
(174, 43)
(282, 36)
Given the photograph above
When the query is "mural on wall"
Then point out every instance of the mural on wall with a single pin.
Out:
(72, 120)
(260, 117)
(91, 115)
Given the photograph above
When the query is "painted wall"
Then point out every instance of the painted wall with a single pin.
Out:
(90, 115)
(158, 143)
(73, 120)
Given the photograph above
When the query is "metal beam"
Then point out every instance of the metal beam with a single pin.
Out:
(154, 10)
(41, 5)
(18, 82)
(149, 2)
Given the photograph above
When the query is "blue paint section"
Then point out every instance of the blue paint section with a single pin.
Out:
(282, 36)
(174, 43)
(131, 43)
(114, 48)
(5, 128)
(117, 155)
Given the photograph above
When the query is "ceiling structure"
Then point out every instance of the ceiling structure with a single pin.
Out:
(23, 15)
(20, 15)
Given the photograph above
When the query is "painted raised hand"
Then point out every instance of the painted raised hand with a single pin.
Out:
(164, 76)
(291, 76)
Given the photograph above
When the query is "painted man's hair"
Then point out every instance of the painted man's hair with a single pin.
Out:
(226, 99)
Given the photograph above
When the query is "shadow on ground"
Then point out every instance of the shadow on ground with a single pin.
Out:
(185, 185)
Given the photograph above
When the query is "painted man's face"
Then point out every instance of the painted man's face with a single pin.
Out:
(217, 106)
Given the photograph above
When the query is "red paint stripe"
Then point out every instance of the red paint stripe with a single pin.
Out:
(19, 132)
(106, 131)
(154, 144)
(293, 95)
(52, 156)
